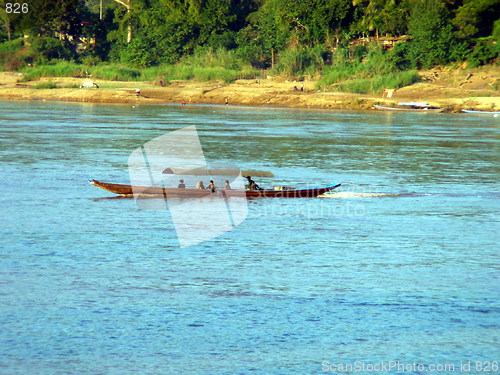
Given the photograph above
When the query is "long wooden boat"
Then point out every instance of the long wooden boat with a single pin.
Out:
(409, 109)
(129, 191)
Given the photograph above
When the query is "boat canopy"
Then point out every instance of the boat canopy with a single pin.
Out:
(216, 172)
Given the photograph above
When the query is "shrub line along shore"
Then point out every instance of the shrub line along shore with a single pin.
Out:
(269, 92)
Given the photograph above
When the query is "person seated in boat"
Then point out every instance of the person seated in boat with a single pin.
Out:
(182, 185)
(226, 185)
(200, 185)
(211, 186)
(251, 184)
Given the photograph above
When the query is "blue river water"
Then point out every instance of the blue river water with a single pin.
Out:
(397, 267)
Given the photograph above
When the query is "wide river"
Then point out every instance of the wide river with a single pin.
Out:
(397, 271)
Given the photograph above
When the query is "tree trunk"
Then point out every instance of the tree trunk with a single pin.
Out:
(127, 5)
(129, 28)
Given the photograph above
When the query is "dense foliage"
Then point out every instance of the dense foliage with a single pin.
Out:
(294, 37)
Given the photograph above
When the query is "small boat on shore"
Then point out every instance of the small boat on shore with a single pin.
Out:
(161, 192)
(477, 112)
(410, 107)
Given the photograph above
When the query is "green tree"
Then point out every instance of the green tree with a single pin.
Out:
(215, 18)
(372, 17)
(433, 41)
(47, 48)
(383, 16)
(327, 18)
(307, 21)
(46, 17)
(6, 21)
(265, 34)
(475, 18)
(242, 9)
(496, 31)
(395, 17)
(164, 31)
(250, 48)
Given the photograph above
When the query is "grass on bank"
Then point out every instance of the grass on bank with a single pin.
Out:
(337, 74)
(113, 72)
(364, 78)
(45, 85)
(378, 84)
(344, 78)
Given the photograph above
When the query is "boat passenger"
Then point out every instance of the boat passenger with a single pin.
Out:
(251, 184)
(200, 185)
(182, 185)
(226, 185)
(211, 186)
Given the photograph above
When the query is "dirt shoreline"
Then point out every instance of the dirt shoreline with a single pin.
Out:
(453, 94)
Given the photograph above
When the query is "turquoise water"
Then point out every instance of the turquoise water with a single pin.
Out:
(400, 264)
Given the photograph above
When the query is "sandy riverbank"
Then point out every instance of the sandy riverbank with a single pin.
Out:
(456, 90)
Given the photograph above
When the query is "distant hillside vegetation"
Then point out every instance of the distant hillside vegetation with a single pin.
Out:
(354, 45)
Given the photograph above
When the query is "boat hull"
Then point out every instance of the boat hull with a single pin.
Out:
(128, 190)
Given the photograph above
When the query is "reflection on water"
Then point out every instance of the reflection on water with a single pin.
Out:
(399, 263)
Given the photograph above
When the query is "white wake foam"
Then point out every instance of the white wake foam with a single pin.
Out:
(352, 194)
